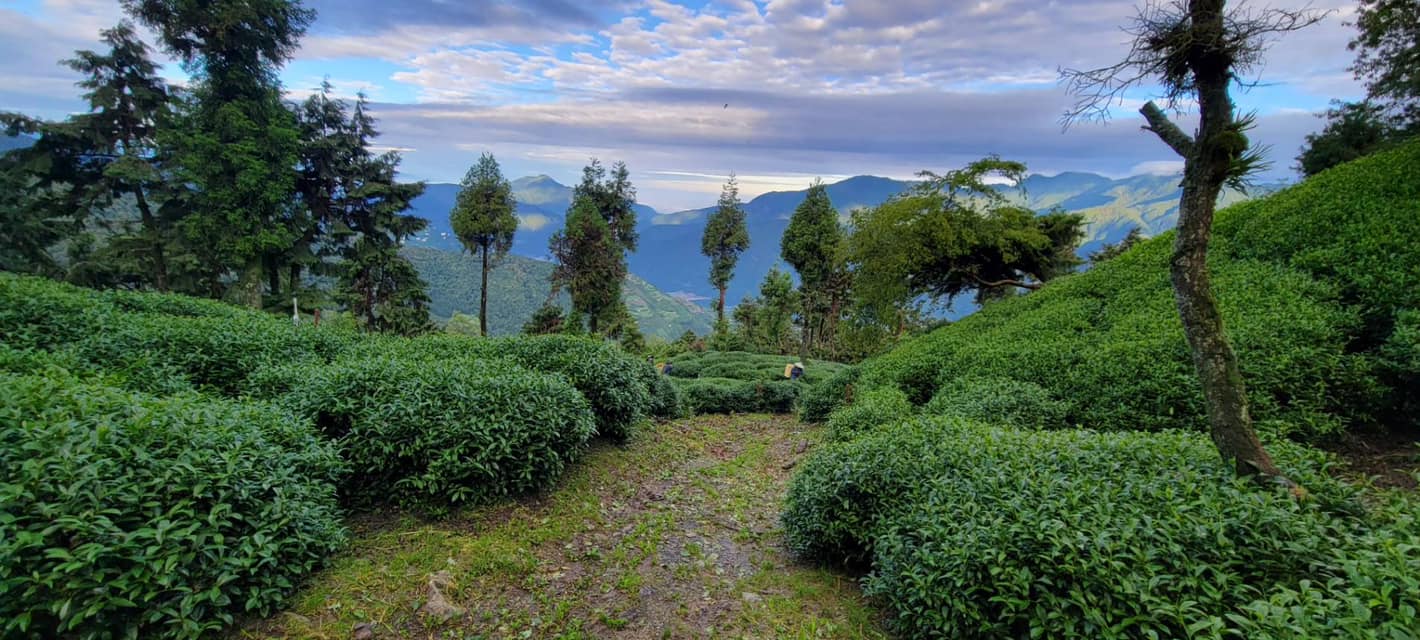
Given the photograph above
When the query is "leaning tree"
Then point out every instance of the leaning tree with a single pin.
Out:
(1194, 51)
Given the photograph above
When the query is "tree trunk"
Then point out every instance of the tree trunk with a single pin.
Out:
(150, 225)
(249, 285)
(483, 298)
(720, 310)
(1209, 158)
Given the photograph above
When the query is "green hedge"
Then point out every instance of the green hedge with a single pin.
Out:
(431, 433)
(827, 396)
(125, 515)
(743, 365)
(998, 401)
(979, 531)
(725, 395)
(1314, 283)
(874, 408)
(612, 381)
(1076, 534)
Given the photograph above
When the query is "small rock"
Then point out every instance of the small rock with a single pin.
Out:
(363, 631)
(750, 597)
(437, 606)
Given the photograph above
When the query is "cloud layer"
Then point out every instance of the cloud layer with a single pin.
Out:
(780, 90)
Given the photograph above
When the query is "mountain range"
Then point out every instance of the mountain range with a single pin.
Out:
(669, 258)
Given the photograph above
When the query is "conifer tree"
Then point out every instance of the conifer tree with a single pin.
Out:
(811, 245)
(483, 219)
(725, 238)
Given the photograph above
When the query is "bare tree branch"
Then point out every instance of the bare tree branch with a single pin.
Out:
(1166, 130)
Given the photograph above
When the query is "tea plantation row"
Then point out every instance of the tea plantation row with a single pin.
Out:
(1037, 469)
(167, 464)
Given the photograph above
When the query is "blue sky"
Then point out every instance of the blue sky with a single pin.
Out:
(778, 91)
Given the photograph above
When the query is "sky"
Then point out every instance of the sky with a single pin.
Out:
(778, 91)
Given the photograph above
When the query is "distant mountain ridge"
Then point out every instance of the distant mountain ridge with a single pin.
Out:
(669, 253)
(518, 286)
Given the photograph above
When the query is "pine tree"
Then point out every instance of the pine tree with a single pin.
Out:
(590, 261)
(812, 246)
(725, 238)
(379, 285)
(483, 219)
(237, 143)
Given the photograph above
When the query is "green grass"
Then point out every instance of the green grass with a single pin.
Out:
(674, 535)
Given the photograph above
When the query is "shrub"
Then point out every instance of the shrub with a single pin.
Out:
(124, 515)
(1077, 534)
(997, 401)
(433, 433)
(876, 407)
(724, 395)
(838, 499)
(612, 381)
(825, 397)
(666, 398)
(742, 365)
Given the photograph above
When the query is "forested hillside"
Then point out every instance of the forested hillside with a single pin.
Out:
(520, 285)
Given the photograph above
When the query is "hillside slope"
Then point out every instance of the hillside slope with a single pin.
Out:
(519, 285)
(1317, 283)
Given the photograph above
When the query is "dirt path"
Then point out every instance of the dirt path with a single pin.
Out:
(674, 535)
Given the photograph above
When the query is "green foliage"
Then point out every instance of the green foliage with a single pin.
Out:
(1388, 43)
(875, 408)
(1076, 534)
(728, 395)
(547, 319)
(484, 221)
(724, 239)
(998, 401)
(667, 401)
(766, 322)
(435, 432)
(955, 233)
(842, 496)
(741, 365)
(1353, 130)
(591, 264)
(827, 396)
(125, 515)
(1311, 280)
(611, 380)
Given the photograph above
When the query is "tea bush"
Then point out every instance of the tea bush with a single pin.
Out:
(997, 401)
(743, 365)
(827, 396)
(725, 395)
(839, 497)
(125, 515)
(666, 399)
(1309, 280)
(612, 381)
(1076, 534)
(431, 433)
(876, 407)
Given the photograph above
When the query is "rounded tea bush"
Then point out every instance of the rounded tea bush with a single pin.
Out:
(825, 397)
(434, 433)
(612, 381)
(1077, 534)
(874, 408)
(125, 515)
(998, 401)
(726, 395)
(841, 495)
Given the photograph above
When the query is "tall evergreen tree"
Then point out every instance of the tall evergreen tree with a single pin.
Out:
(237, 143)
(811, 245)
(379, 285)
(590, 261)
(330, 157)
(591, 255)
(725, 238)
(128, 102)
(483, 219)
